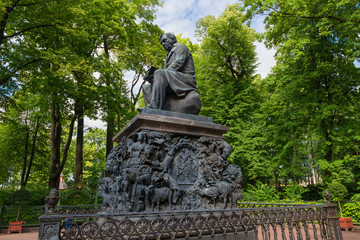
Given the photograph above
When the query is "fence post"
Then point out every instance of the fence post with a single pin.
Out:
(49, 228)
(1, 212)
(50, 222)
(333, 224)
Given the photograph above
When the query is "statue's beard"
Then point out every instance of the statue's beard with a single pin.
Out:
(168, 47)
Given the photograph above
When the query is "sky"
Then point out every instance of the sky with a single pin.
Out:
(180, 16)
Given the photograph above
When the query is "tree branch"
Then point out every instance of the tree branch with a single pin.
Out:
(30, 4)
(7, 78)
(308, 17)
(68, 142)
(28, 29)
(4, 20)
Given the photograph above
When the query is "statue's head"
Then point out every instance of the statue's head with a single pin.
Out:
(168, 40)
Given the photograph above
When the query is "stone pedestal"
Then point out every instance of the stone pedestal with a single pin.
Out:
(170, 161)
(172, 122)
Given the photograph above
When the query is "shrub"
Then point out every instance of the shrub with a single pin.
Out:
(352, 210)
(337, 192)
(260, 193)
(6, 197)
(294, 193)
(356, 198)
(314, 193)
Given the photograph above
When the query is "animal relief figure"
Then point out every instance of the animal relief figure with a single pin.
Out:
(105, 192)
(157, 196)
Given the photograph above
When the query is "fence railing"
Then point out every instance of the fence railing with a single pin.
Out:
(272, 221)
(30, 214)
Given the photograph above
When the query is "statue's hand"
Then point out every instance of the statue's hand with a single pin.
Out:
(149, 78)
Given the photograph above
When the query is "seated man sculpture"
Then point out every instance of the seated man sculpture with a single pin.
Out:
(173, 88)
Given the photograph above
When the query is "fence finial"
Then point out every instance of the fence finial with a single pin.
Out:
(51, 201)
(327, 196)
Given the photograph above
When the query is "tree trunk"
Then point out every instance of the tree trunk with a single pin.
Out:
(32, 154)
(110, 115)
(293, 163)
(79, 149)
(109, 134)
(310, 162)
(340, 209)
(23, 174)
(329, 146)
(56, 129)
(277, 185)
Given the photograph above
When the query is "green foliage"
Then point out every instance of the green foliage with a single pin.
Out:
(30, 198)
(225, 72)
(30, 215)
(94, 158)
(5, 197)
(294, 192)
(310, 119)
(52, 54)
(337, 191)
(78, 194)
(20, 195)
(36, 197)
(24, 139)
(352, 210)
(356, 197)
(313, 193)
(260, 193)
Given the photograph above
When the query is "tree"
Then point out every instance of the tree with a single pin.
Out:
(24, 136)
(316, 88)
(62, 57)
(225, 73)
(338, 192)
(21, 18)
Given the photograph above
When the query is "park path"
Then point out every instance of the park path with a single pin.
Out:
(347, 235)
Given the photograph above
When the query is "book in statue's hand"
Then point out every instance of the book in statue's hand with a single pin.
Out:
(149, 77)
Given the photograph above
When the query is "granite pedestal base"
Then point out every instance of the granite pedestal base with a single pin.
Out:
(170, 161)
(172, 122)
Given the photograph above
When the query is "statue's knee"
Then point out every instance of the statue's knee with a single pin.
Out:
(146, 88)
(159, 75)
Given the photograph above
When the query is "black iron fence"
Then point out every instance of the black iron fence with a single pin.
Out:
(30, 214)
(252, 221)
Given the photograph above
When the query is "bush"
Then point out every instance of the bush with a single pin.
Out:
(314, 193)
(337, 191)
(294, 193)
(261, 193)
(21, 195)
(352, 210)
(356, 198)
(33, 198)
(6, 197)
(37, 197)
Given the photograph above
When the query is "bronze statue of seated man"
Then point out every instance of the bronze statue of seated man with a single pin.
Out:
(173, 88)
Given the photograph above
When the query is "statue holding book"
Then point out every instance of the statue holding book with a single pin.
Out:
(174, 87)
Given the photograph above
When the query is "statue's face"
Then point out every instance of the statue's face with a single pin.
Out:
(167, 43)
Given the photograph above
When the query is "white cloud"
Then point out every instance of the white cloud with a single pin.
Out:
(180, 17)
(91, 123)
(265, 59)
